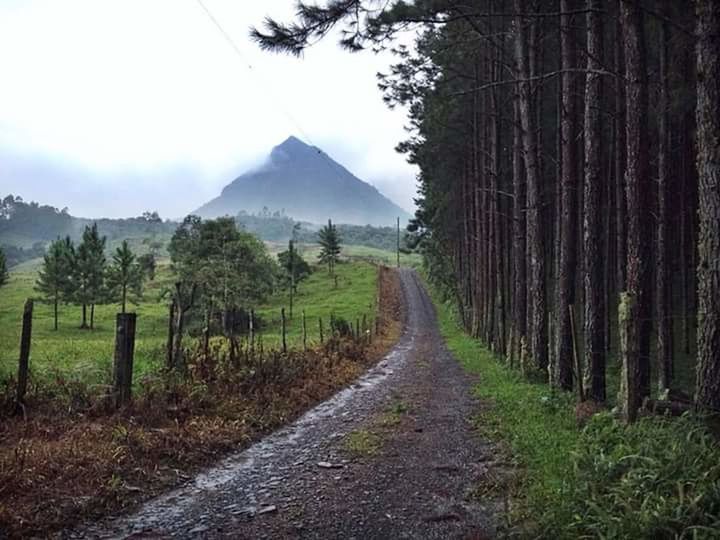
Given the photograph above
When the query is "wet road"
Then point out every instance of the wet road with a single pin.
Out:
(303, 482)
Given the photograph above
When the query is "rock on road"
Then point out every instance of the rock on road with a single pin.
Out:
(417, 479)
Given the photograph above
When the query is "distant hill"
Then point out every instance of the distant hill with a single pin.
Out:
(307, 185)
(27, 227)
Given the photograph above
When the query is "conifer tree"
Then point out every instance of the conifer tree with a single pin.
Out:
(89, 273)
(124, 276)
(55, 279)
(330, 246)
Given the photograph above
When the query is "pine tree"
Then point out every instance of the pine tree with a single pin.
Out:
(54, 279)
(708, 104)
(89, 273)
(330, 246)
(4, 276)
(124, 276)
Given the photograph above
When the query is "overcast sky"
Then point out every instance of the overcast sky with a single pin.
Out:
(113, 107)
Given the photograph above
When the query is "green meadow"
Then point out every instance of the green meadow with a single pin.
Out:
(72, 353)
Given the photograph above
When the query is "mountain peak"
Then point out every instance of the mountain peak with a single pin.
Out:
(306, 183)
(290, 148)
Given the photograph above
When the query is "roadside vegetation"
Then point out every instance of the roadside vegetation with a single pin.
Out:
(590, 477)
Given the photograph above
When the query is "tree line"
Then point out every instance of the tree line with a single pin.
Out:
(569, 179)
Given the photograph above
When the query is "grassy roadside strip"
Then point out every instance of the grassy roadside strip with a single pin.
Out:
(659, 478)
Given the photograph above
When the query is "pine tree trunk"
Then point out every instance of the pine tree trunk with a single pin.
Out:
(594, 350)
(92, 316)
(636, 183)
(620, 159)
(83, 324)
(663, 283)
(536, 288)
(568, 206)
(708, 165)
(519, 238)
(124, 297)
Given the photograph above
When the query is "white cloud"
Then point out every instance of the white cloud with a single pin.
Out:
(120, 95)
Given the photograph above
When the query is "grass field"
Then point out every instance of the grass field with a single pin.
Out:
(310, 253)
(87, 355)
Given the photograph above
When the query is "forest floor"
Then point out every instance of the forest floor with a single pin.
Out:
(395, 455)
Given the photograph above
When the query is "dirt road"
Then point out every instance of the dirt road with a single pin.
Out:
(393, 456)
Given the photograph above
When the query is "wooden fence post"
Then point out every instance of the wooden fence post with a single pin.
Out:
(304, 331)
(24, 362)
(284, 342)
(124, 353)
(321, 330)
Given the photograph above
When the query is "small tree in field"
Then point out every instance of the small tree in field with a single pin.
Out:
(329, 246)
(295, 269)
(54, 279)
(89, 273)
(3, 269)
(124, 276)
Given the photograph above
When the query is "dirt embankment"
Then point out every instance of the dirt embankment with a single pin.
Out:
(67, 462)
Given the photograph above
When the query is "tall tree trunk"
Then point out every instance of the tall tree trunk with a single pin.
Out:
(519, 238)
(92, 316)
(124, 297)
(708, 164)
(83, 324)
(594, 350)
(55, 311)
(536, 288)
(620, 160)
(636, 181)
(663, 283)
(568, 205)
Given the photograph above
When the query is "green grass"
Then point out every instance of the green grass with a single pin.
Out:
(354, 297)
(87, 355)
(537, 426)
(658, 478)
(363, 442)
(311, 251)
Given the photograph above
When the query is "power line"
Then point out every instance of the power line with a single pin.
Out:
(250, 67)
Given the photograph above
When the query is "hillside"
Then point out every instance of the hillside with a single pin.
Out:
(309, 186)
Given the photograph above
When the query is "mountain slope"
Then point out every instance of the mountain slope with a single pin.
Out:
(309, 186)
